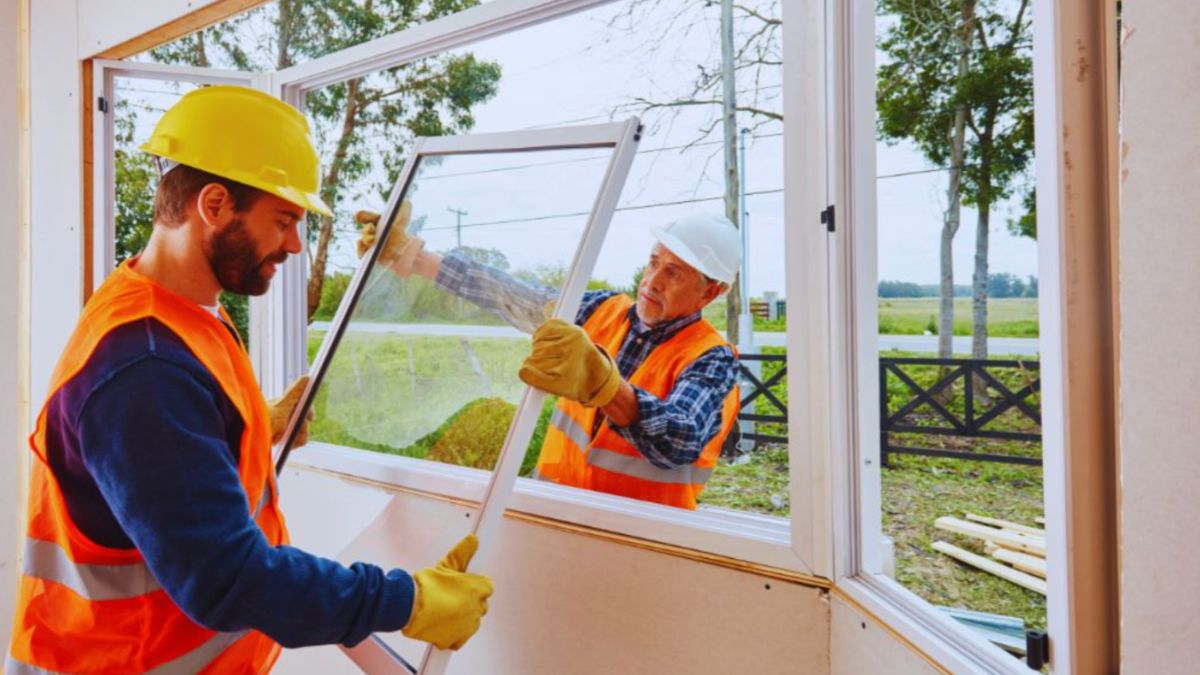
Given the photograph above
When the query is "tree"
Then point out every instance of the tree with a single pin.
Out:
(750, 49)
(923, 97)
(361, 125)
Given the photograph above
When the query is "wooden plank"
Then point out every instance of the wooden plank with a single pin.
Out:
(1007, 525)
(987, 565)
(1040, 521)
(1014, 540)
(1024, 562)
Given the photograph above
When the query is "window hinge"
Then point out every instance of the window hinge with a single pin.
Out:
(102, 104)
(827, 218)
(1037, 649)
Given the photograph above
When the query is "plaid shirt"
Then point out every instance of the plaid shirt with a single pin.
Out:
(669, 433)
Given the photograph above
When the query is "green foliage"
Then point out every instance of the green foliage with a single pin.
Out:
(1026, 225)
(331, 295)
(474, 436)
(238, 309)
(920, 89)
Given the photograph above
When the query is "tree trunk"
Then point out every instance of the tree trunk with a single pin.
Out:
(733, 299)
(953, 193)
(316, 277)
(201, 53)
(286, 28)
(979, 295)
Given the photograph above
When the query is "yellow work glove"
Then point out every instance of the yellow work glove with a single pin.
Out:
(450, 602)
(402, 249)
(565, 362)
(281, 409)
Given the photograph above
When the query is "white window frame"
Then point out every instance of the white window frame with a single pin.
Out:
(796, 545)
(104, 72)
(852, 325)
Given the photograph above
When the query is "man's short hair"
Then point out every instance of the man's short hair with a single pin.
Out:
(179, 186)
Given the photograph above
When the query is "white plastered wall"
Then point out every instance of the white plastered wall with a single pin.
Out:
(568, 603)
(860, 646)
(12, 203)
(1160, 320)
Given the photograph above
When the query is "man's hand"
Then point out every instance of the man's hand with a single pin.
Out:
(402, 249)
(450, 602)
(565, 362)
(281, 411)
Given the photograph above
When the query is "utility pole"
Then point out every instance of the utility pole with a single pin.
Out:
(729, 130)
(744, 226)
(458, 226)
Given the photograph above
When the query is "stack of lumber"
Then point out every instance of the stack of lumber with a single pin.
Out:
(1017, 552)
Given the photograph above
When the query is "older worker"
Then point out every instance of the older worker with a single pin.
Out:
(647, 389)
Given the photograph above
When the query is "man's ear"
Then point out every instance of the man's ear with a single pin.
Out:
(714, 290)
(214, 205)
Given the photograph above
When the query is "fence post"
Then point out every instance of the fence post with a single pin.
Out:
(883, 414)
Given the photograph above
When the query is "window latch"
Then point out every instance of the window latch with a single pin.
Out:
(827, 218)
(1037, 649)
(102, 104)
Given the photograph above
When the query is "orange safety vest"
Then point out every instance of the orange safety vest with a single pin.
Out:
(87, 608)
(607, 462)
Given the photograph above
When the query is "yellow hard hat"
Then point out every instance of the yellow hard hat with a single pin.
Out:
(246, 136)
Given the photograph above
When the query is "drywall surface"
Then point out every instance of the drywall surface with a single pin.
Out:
(104, 24)
(1160, 321)
(566, 603)
(57, 185)
(859, 645)
(10, 264)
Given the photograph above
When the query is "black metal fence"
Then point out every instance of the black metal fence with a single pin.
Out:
(976, 415)
(759, 389)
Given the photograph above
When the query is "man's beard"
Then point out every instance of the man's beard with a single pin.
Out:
(234, 260)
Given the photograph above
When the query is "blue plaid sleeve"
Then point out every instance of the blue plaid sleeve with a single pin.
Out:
(519, 302)
(672, 433)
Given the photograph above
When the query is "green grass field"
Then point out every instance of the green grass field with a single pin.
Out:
(1007, 317)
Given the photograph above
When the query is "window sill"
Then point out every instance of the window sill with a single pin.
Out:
(749, 537)
(943, 641)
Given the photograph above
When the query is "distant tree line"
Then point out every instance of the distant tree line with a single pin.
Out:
(1002, 285)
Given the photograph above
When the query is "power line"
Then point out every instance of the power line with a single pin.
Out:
(634, 207)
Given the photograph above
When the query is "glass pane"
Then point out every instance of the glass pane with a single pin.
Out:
(958, 311)
(428, 365)
(609, 62)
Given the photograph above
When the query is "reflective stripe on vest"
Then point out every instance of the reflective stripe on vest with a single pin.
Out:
(185, 664)
(48, 561)
(640, 467)
(628, 465)
(570, 428)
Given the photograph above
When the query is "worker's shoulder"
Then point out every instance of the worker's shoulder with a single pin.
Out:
(147, 343)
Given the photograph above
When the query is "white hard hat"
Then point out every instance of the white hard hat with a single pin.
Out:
(709, 243)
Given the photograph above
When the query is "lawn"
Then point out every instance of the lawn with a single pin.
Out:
(1007, 317)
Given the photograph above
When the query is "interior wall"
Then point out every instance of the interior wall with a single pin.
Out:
(11, 202)
(860, 646)
(56, 290)
(1160, 319)
(566, 602)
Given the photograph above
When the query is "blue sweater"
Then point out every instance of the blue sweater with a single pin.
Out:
(145, 445)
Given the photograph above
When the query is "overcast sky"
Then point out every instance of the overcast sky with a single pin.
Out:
(584, 70)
